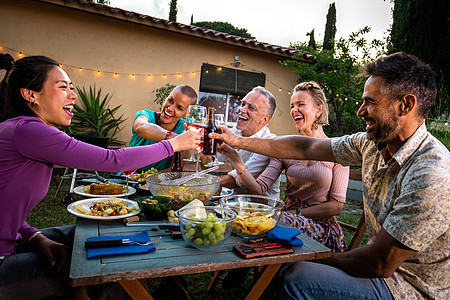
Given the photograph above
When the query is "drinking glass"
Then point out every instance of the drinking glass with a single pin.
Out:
(127, 176)
(220, 120)
(197, 115)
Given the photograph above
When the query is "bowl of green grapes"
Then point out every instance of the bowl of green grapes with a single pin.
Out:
(205, 227)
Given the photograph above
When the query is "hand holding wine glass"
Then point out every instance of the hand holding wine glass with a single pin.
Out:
(197, 116)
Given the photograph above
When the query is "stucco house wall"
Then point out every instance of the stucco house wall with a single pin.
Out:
(95, 39)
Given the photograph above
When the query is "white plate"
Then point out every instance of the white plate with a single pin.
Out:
(79, 190)
(87, 203)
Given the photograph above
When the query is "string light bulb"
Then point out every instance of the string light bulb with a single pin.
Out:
(219, 68)
(60, 65)
(279, 89)
(193, 73)
(20, 54)
(132, 76)
(206, 71)
(98, 72)
(116, 75)
(179, 75)
(149, 76)
(164, 76)
(79, 70)
(357, 103)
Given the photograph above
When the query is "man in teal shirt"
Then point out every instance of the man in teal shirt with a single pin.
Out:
(150, 127)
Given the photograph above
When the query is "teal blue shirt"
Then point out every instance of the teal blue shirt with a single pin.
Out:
(136, 140)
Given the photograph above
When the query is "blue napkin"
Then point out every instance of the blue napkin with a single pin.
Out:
(131, 248)
(285, 235)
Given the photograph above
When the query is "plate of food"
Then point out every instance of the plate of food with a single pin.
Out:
(103, 190)
(104, 209)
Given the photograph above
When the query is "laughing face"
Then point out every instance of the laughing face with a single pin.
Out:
(304, 111)
(175, 107)
(54, 103)
(378, 112)
(253, 113)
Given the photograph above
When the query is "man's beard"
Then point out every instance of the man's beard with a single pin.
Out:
(383, 132)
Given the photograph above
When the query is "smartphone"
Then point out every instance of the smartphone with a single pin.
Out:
(262, 249)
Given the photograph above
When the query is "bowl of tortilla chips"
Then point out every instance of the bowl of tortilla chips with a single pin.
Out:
(256, 214)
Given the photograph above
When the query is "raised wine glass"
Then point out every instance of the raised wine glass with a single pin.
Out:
(197, 119)
(127, 176)
(220, 120)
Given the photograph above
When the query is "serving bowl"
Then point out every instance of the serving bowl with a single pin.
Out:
(256, 214)
(201, 188)
(155, 207)
(205, 227)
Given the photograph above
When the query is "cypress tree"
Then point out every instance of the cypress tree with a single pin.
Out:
(330, 28)
(173, 11)
(312, 41)
(422, 28)
(192, 19)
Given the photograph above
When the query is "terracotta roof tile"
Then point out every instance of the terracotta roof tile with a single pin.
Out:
(183, 28)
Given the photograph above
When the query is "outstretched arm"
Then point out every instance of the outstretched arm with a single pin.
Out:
(150, 131)
(290, 146)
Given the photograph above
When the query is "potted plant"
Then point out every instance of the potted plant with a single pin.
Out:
(95, 117)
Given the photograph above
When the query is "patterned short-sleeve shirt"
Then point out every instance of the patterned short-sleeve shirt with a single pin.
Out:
(409, 196)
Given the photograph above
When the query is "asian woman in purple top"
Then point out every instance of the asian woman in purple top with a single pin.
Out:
(35, 95)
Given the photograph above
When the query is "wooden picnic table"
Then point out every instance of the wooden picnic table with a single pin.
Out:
(172, 257)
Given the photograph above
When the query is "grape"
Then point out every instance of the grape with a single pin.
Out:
(205, 233)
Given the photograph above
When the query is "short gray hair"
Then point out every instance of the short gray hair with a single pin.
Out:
(270, 99)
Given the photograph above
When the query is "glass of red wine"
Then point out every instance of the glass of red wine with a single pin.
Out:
(219, 120)
(197, 120)
(127, 176)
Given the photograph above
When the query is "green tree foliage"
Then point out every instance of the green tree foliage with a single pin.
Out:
(422, 28)
(336, 72)
(312, 41)
(225, 27)
(330, 28)
(173, 10)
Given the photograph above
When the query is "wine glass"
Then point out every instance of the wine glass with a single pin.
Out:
(220, 120)
(127, 176)
(197, 116)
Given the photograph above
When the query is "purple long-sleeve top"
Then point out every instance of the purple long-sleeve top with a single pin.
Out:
(28, 150)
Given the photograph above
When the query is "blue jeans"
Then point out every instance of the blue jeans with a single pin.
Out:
(309, 280)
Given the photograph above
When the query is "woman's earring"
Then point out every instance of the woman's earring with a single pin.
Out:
(316, 125)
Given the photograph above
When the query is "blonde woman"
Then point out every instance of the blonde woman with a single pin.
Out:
(315, 190)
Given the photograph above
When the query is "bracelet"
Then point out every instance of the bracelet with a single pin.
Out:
(168, 134)
(34, 235)
(298, 212)
(243, 171)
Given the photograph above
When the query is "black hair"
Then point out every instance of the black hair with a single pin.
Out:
(405, 74)
(188, 91)
(29, 72)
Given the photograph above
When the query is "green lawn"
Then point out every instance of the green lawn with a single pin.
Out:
(52, 212)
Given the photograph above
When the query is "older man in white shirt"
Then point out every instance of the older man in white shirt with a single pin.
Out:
(257, 108)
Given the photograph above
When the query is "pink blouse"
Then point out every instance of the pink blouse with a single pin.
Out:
(312, 184)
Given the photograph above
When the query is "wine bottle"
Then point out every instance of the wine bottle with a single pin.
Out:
(209, 144)
(176, 167)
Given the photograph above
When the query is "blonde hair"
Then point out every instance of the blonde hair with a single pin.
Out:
(318, 97)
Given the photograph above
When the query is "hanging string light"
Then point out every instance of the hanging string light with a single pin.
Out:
(149, 76)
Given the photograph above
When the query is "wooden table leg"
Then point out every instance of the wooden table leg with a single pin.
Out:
(136, 290)
(263, 282)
